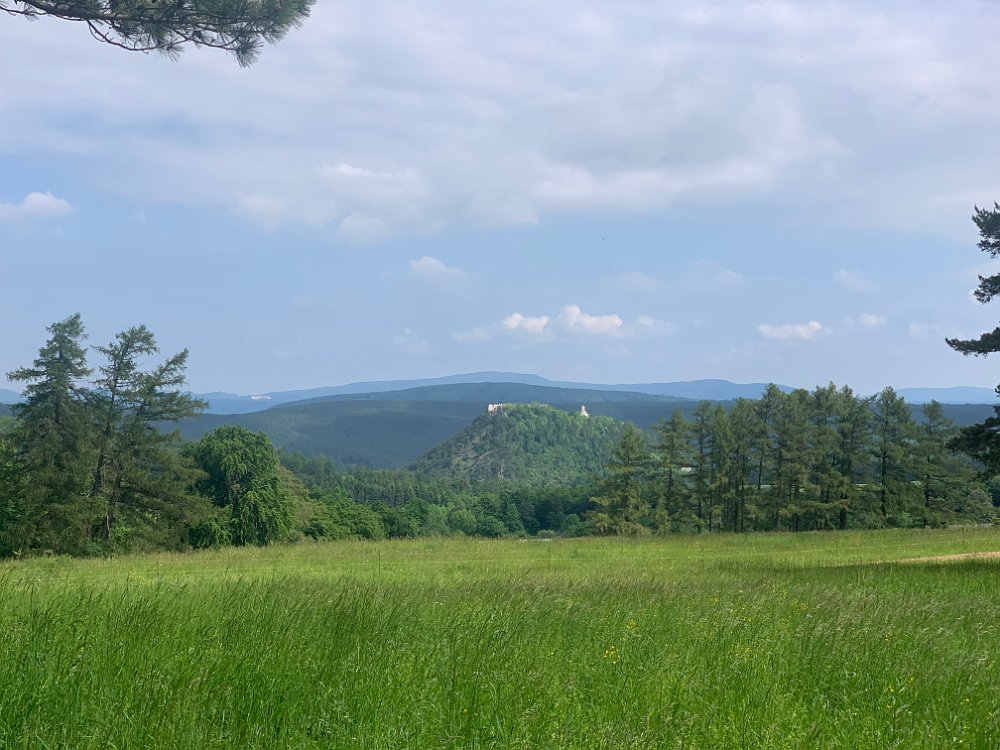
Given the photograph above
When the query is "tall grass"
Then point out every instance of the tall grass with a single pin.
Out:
(770, 641)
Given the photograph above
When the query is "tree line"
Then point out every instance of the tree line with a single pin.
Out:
(826, 459)
(90, 464)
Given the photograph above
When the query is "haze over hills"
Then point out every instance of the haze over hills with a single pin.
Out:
(708, 389)
(499, 392)
(959, 394)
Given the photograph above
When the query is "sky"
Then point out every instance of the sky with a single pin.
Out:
(594, 191)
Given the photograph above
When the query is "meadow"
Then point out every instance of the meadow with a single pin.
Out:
(813, 640)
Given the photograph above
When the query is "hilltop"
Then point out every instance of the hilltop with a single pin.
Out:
(531, 444)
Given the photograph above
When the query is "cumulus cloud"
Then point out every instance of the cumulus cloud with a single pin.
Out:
(571, 321)
(433, 271)
(792, 331)
(852, 281)
(572, 318)
(525, 324)
(35, 206)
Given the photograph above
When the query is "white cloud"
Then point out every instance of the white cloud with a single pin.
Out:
(433, 271)
(870, 320)
(525, 324)
(792, 331)
(571, 321)
(572, 318)
(852, 281)
(35, 206)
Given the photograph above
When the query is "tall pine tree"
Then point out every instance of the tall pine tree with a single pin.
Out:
(52, 442)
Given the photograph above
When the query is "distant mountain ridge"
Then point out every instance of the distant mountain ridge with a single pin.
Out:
(489, 392)
(706, 389)
(959, 394)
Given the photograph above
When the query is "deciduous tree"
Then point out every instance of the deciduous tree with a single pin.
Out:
(241, 469)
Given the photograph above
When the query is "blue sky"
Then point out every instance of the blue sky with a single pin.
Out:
(608, 192)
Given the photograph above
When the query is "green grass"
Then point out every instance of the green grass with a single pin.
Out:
(766, 641)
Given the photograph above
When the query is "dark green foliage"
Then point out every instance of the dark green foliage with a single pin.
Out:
(411, 504)
(52, 443)
(241, 474)
(671, 458)
(621, 495)
(384, 434)
(87, 469)
(137, 471)
(237, 26)
(988, 223)
(793, 461)
(529, 444)
(981, 440)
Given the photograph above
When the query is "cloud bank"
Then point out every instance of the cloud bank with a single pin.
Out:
(393, 118)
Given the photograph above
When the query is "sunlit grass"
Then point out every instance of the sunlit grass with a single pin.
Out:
(767, 641)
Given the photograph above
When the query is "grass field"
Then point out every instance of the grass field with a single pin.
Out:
(760, 641)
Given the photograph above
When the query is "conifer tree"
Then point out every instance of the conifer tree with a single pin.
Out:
(854, 417)
(621, 500)
(988, 223)
(982, 441)
(894, 433)
(701, 476)
(137, 467)
(744, 428)
(947, 478)
(672, 459)
(790, 485)
(52, 441)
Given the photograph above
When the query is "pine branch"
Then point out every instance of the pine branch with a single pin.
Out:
(237, 26)
(988, 343)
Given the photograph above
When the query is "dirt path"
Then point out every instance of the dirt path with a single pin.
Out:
(949, 558)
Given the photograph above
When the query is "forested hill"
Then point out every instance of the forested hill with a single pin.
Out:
(394, 429)
(485, 393)
(531, 444)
